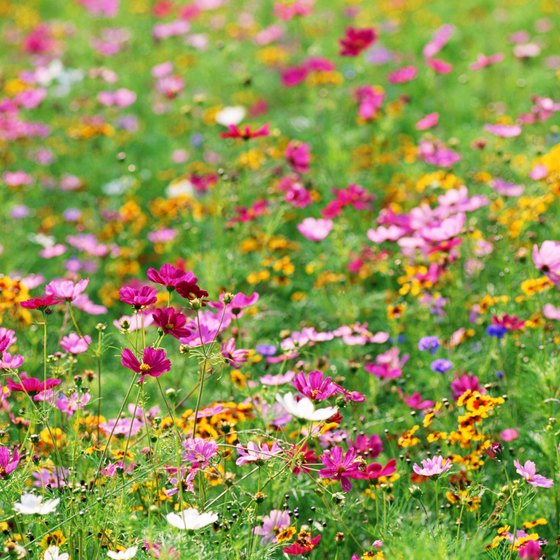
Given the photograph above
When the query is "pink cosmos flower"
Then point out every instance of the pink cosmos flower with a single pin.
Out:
(232, 356)
(315, 385)
(138, 297)
(439, 39)
(315, 229)
(256, 452)
(503, 130)
(75, 401)
(547, 259)
(387, 365)
(439, 66)
(416, 401)
(75, 344)
(66, 289)
(509, 434)
(483, 61)
(298, 156)
(199, 451)
(288, 10)
(8, 462)
(466, 383)
(435, 153)
(340, 466)
(370, 100)
(551, 312)
(273, 523)
(530, 550)
(427, 122)
(506, 189)
(367, 446)
(7, 338)
(432, 467)
(9, 361)
(403, 75)
(169, 276)
(529, 472)
(356, 40)
(154, 362)
(377, 470)
(107, 8)
(122, 97)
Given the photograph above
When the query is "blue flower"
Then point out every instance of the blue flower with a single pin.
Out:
(441, 365)
(496, 330)
(430, 343)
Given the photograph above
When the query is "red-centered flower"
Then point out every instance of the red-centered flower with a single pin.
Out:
(303, 544)
(169, 276)
(41, 303)
(340, 467)
(315, 385)
(245, 132)
(356, 40)
(376, 470)
(300, 458)
(509, 322)
(154, 362)
(171, 322)
(32, 384)
(138, 297)
(8, 463)
(189, 289)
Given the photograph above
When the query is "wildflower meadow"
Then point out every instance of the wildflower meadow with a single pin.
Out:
(279, 278)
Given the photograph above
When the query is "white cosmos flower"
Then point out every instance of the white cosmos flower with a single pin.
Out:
(191, 519)
(230, 115)
(123, 554)
(30, 504)
(304, 408)
(53, 553)
(179, 188)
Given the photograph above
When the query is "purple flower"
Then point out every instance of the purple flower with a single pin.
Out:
(340, 467)
(496, 330)
(154, 362)
(315, 385)
(430, 343)
(50, 479)
(529, 472)
(266, 349)
(441, 365)
(432, 467)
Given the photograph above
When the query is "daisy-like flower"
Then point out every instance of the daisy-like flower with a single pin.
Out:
(432, 467)
(123, 554)
(315, 385)
(190, 519)
(53, 553)
(256, 453)
(31, 504)
(169, 276)
(66, 289)
(171, 322)
(75, 344)
(41, 303)
(340, 467)
(138, 297)
(305, 409)
(154, 362)
(529, 472)
(547, 259)
(273, 523)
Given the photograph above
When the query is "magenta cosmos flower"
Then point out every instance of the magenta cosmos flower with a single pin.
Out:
(41, 303)
(432, 467)
(547, 259)
(169, 276)
(171, 322)
(32, 384)
(8, 463)
(66, 289)
(339, 466)
(154, 362)
(256, 453)
(315, 229)
(138, 297)
(529, 472)
(315, 385)
(356, 40)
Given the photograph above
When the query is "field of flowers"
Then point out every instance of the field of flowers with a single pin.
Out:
(279, 279)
